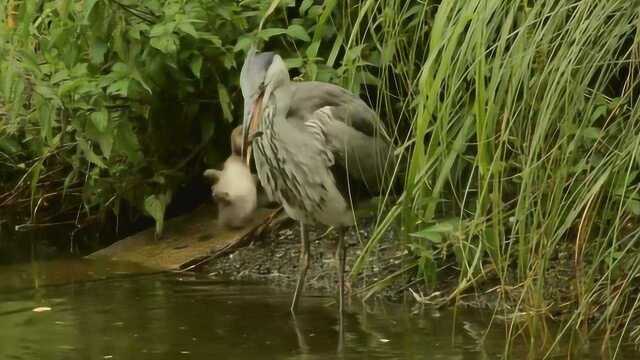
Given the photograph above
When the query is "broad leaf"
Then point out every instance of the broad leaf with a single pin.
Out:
(268, 33)
(225, 102)
(298, 32)
(196, 65)
(436, 231)
(188, 28)
(89, 154)
(167, 43)
(155, 206)
(100, 119)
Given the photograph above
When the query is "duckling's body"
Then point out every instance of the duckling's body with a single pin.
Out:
(234, 189)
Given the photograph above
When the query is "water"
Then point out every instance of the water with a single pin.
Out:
(93, 310)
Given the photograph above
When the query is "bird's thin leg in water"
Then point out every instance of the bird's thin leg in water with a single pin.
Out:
(302, 343)
(340, 259)
(304, 265)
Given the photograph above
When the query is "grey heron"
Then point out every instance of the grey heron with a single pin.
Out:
(317, 147)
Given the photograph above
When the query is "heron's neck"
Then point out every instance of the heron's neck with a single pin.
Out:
(282, 97)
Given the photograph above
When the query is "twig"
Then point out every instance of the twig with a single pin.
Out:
(245, 240)
(135, 12)
(27, 227)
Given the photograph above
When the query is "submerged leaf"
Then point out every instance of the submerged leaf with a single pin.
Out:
(41, 309)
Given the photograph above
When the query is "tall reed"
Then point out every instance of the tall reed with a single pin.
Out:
(523, 145)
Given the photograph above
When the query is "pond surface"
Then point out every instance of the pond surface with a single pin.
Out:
(75, 309)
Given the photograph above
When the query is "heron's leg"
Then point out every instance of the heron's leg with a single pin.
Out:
(340, 257)
(304, 265)
(302, 342)
(340, 260)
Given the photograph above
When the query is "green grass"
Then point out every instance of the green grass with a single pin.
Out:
(524, 144)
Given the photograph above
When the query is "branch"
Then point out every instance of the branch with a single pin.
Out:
(135, 12)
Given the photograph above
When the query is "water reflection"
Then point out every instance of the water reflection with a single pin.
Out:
(169, 316)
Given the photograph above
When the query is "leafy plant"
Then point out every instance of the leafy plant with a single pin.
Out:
(124, 99)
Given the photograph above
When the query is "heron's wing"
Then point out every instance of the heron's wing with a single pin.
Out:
(310, 96)
(356, 154)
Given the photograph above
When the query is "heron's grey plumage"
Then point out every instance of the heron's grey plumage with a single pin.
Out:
(316, 145)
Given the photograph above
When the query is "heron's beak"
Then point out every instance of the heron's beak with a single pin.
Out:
(250, 123)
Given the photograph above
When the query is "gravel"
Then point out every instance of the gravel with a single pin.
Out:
(274, 259)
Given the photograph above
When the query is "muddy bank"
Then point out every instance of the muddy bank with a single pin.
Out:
(273, 258)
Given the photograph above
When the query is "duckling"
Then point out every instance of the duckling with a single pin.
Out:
(234, 189)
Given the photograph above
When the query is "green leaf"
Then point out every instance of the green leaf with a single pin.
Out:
(369, 79)
(167, 43)
(120, 87)
(436, 231)
(100, 119)
(136, 75)
(591, 133)
(9, 145)
(46, 121)
(298, 32)
(87, 7)
(59, 76)
(35, 176)
(634, 207)
(155, 206)
(215, 40)
(388, 51)
(306, 4)
(314, 11)
(244, 43)
(103, 136)
(105, 141)
(312, 50)
(171, 8)
(162, 29)
(270, 9)
(229, 61)
(196, 65)
(136, 29)
(207, 129)
(433, 236)
(89, 154)
(126, 142)
(311, 71)
(294, 63)
(69, 179)
(268, 33)
(188, 28)
(337, 45)
(598, 112)
(225, 102)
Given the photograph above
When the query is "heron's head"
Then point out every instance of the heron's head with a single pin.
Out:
(261, 74)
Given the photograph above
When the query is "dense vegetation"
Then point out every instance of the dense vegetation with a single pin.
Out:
(520, 119)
